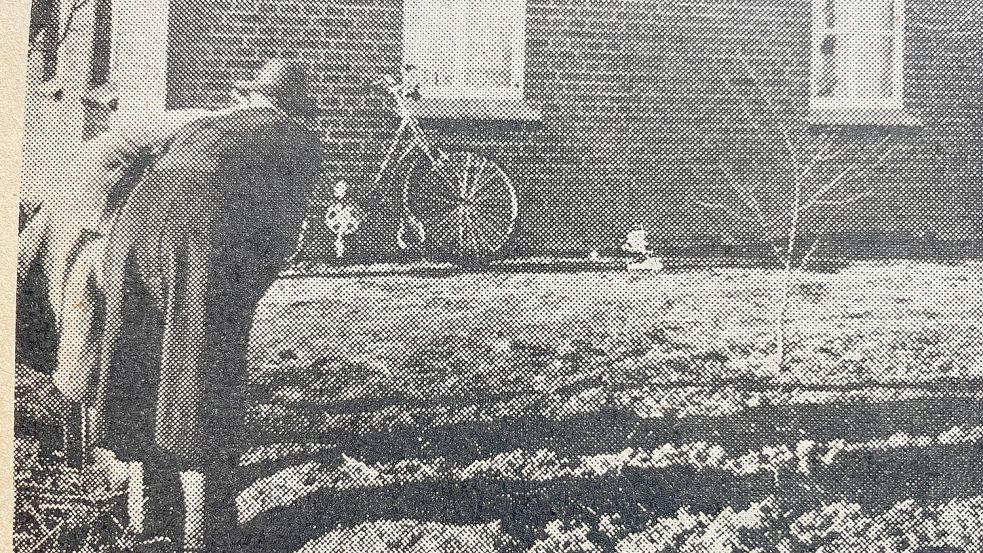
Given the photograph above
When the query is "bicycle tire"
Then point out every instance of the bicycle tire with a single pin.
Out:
(465, 203)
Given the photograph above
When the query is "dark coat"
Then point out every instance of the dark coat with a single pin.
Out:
(194, 247)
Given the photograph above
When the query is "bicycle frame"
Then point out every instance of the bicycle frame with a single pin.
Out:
(487, 225)
(409, 131)
(417, 138)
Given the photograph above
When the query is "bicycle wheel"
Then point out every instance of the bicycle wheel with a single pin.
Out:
(465, 203)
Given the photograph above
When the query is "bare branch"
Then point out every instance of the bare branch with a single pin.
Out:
(745, 196)
(752, 204)
(822, 154)
(731, 213)
(847, 201)
(789, 144)
(835, 181)
(749, 201)
(830, 156)
(749, 116)
(815, 245)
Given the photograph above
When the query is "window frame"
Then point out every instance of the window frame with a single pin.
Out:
(832, 103)
(514, 91)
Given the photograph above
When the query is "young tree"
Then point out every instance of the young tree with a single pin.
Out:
(796, 180)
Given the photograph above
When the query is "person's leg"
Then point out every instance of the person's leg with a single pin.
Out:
(219, 516)
(128, 418)
(105, 470)
(224, 420)
(224, 405)
(82, 320)
(79, 351)
(136, 498)
(164, 513)
(193, 488)
(36, 338)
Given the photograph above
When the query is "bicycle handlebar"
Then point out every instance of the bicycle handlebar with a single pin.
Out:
(400, 90)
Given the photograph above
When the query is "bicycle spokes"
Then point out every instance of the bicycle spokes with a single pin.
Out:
(466, 204)
(459, 204)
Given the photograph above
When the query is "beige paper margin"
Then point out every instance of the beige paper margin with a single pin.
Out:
(14, 17)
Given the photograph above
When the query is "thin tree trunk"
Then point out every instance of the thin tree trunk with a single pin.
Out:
(793, 235)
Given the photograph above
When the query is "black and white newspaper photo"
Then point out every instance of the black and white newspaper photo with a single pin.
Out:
(517, 276)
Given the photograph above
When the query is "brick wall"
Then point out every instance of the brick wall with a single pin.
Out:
(636, 107)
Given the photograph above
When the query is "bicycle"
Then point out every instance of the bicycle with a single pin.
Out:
(456, 203)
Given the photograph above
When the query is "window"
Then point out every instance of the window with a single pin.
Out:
(857, 54)
(466, 48)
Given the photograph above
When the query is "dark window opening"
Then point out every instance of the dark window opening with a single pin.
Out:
(101, 43)
(44, 35)
(100, 101)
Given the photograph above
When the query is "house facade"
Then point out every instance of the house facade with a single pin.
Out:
(606, 113)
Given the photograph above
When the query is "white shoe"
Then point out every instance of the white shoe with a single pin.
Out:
(107, 471)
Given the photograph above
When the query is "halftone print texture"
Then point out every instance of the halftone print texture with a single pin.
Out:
(531, 276)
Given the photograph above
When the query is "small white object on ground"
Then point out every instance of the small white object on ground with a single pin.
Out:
(636, 242)
(649, 264)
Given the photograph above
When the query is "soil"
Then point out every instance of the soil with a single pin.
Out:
(616, 411)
